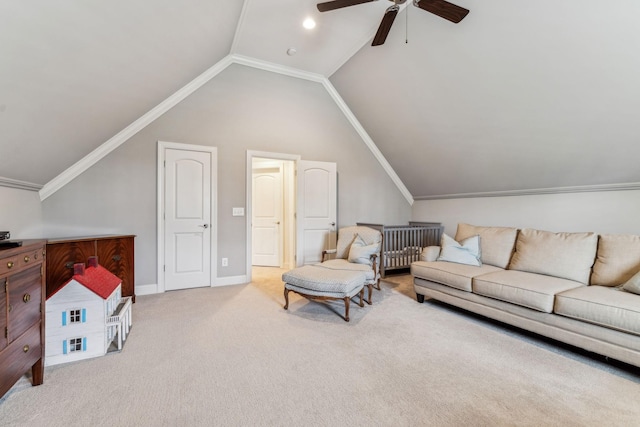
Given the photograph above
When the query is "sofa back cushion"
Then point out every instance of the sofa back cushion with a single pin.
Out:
(496, 243)
(617, 260)
(565, 255)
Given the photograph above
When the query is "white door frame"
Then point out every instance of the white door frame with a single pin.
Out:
(162, 146)
(249, 181)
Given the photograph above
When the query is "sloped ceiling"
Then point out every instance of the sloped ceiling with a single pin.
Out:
(519, 95)
(74, 73)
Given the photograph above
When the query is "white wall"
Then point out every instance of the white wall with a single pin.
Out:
(21, 213)
(601, 212)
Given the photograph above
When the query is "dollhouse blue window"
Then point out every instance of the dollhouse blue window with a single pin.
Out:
(74, 316)
(74, 345)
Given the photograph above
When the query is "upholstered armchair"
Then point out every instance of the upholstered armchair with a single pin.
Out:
(353, 266)
(357, 249)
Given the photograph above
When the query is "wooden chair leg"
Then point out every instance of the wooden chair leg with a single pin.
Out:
(370, 286)
(286, 298)
(362, 297)
(346, 308)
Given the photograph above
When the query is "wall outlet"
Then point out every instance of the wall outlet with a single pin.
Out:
(225, 262)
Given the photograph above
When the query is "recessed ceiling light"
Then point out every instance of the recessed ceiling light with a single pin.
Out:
(309, 23)
(291, 51)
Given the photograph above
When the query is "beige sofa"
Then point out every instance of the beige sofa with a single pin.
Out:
(572, 287)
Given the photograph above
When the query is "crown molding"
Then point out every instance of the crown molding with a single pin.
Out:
(22, 185)
(123, 136)
(537, 191)
(240, 26)
(277, 68)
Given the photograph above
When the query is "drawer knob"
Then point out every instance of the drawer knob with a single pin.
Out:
(25, 348)
(27, 259)
(116, 258)
(10, 264)
(10, 308)
(26, 298)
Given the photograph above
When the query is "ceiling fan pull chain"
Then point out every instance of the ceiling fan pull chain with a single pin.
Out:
(406, 26)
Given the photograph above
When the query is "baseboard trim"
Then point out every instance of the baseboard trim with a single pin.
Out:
(146, 289)
(230, 280)
(152, 289)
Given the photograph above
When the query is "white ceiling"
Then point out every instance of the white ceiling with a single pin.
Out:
(519, 95)
(268, 28)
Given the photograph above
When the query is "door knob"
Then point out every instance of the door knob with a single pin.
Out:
(204, 226)
(277, 222)
(332, 224)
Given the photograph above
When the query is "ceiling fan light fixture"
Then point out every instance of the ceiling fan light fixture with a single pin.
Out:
(309, 24)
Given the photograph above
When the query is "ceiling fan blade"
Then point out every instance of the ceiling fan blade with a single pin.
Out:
(339, 4)
(385, 25)
(443, 9)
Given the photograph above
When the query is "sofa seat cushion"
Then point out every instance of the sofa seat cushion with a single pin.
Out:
(602, 305)
(448, 273)
(320, 281)
(531, 290)
(343, 264)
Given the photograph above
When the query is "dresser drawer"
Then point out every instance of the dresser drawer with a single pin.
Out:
(3, 313)
(19, 356)
(24, 297)
(22, 260)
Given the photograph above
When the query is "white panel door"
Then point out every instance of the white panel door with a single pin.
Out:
(187, 212)
(317, 196)
(267, 217)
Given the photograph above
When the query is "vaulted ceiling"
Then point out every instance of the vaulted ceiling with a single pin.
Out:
(518, 96)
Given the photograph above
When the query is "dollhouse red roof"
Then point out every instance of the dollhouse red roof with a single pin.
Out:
(97, 279)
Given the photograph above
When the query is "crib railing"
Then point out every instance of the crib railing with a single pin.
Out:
(402, 244)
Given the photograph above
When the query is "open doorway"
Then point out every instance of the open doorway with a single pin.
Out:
(271, 205)
(273, 213)
(309, 208)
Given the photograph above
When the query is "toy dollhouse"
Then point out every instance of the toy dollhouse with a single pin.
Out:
(87, 316)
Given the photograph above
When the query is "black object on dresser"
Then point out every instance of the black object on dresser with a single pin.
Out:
(22, 301)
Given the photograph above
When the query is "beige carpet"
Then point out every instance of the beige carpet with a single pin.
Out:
(231, 356)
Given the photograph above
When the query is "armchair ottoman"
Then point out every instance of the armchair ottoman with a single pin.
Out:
(353, 267)
(320, 283)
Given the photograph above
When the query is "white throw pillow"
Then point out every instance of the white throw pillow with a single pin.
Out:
(633, 284)
(430, 253)
(360, 253)
(466, 252)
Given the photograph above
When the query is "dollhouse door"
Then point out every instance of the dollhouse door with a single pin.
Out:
(187, 217)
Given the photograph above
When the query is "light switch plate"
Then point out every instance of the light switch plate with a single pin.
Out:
(238, 211)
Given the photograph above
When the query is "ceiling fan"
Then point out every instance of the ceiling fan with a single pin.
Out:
(441, 8)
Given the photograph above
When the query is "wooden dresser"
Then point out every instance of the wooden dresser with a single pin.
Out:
(115, 253)
(22, 299)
